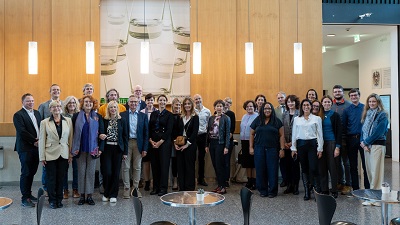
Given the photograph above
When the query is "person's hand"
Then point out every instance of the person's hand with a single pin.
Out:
(69, 159)
(225, 151)
(124, 157)
(336, 153)
(177, 147)
(281, 153)
(44, 163)
(319, 154)
(99, 153)
(206, 149)
(251, 151)
(144, 153)
(76, 152)
(294, 153)
(184, 146)
(102, 136)
(366, 148)
(36, 143)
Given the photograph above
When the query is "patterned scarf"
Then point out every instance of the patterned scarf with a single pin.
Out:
(368, 123)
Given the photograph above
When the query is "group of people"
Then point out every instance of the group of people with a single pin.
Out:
(322, 137)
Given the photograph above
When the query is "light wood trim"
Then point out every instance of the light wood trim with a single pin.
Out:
(7, 130)
(2, 75)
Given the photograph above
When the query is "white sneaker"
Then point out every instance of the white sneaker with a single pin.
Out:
(104, 199)
(367, 203)
(113, 200)
(378, 204)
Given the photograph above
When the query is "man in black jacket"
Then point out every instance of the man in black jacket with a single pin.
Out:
(26, 122)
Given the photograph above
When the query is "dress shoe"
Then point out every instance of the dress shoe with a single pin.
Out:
(263, 195)
(89, 200)
(271, 195)
(221, 191)
(76, 193)
(346, 190)
(161, 193)
(33, 198)
(202, 183)
(27, 203)
(66, 194)
(216, 189)
(335, 194)
(81, 200)
(154, 192)
(60, 205)
(283, 184)
(147, 186)
(53, 205)
(127, 193)
(289, 189)
(296, 189)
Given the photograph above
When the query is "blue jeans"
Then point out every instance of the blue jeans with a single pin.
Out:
(29, 165)
(74, 176)
(266, 161)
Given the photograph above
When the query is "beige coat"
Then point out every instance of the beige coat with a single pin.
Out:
(51, 147)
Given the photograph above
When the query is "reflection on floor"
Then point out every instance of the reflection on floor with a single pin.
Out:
(284, 209)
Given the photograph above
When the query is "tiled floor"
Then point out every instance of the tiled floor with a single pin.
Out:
(284, 209)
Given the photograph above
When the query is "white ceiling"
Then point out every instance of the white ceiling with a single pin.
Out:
(345, 34)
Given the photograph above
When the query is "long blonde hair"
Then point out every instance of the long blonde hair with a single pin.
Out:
(192, 111)
(366, 106)
(111, 103)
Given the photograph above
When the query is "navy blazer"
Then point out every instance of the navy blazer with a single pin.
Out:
(26, 132)
(123, 134)
(142, 130)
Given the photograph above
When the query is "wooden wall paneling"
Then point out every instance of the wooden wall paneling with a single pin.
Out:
(71, 25)
(264, 33)
(310, 34)
(2, 61)
(18, 32)
(217, 26)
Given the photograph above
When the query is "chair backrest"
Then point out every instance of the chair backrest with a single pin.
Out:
(39, 208)
(326, 206)
(40, 192)
(245, 196)
(137, 204)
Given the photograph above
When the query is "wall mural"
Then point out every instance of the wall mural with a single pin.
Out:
(165, 24)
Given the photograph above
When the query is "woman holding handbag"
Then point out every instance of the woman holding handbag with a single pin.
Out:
(186, 153)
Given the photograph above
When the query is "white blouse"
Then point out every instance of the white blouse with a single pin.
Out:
(307, 130)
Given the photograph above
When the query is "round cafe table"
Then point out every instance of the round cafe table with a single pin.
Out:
(188, 199)
(386, 199)
(5, 202)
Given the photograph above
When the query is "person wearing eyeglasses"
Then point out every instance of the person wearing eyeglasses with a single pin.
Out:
(54, 147)
(267, 143)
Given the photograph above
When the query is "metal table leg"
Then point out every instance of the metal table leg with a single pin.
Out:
(385, 209)
(192, 216)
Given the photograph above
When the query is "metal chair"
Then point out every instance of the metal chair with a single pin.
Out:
(395, 221)
(138, 206)
(245, 197)
(39, 208)
(326, 206)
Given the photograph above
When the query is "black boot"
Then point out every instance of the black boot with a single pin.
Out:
(289, 189)
(306, 184)
(147, 186)
(296, 189)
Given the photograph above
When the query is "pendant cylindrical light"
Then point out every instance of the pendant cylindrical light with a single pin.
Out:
(249, 57)
(32, 57)
(196, 57)
(90, 57)
(144, 57)
(298, 58)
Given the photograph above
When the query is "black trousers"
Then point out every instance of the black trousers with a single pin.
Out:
(218, 161)
(227, 159)
(353, 148)
(308, 159)
(110, 165)
(201, 153)
(160, 159)
(29, 164)
(55, 173)
(186, 168)
(290, 168)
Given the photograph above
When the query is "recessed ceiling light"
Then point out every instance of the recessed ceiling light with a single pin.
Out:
(331, 35)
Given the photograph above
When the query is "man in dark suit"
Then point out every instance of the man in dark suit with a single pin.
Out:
(138, 127)
(26, 122)
(138, 91)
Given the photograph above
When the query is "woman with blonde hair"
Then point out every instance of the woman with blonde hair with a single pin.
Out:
(115, 149)
(69, 107)
(54, 145)
(373, 139)
(186, 154)
(176, 111)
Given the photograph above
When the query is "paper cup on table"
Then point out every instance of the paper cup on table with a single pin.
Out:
(200, 197)
(385, 188)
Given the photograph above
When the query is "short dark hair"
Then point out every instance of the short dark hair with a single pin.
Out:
(326, 96)
(247, 102)
(162, 95)
(219, 101)
(294, 99)
(316, 94)
(354, 90)
(25, 95)
(338, 86)
(262, 96)
(148, 96)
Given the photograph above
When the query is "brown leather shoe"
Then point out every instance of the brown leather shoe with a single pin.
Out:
(76, 193)
(66, 194)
